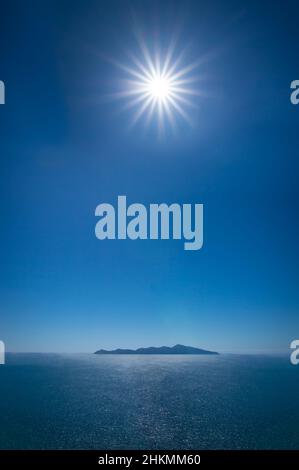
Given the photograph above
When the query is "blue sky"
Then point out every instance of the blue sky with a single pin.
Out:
(65, 147)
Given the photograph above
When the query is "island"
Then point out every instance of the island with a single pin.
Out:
(177, 349)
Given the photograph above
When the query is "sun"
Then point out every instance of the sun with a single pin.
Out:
(158, 86)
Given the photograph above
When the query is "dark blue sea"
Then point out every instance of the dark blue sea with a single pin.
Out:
(51, 401)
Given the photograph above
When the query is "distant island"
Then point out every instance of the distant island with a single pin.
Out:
(177, 349)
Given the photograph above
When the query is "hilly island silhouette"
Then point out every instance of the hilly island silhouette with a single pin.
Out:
(177, 349)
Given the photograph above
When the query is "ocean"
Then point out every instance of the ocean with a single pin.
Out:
(85, 401)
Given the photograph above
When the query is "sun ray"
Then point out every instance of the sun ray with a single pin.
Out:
(141, 111)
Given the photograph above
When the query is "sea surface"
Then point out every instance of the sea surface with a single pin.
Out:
(51, 401)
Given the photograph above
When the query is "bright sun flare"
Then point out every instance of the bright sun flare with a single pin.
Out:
(158, 86)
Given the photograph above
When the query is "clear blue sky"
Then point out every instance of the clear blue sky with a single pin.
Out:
(65, 148)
